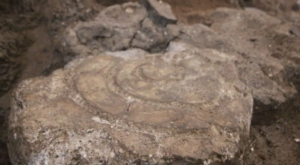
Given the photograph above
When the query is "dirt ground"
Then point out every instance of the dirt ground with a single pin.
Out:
(33, 28)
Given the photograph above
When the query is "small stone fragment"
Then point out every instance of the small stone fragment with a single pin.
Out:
(160, 12)
(295, 31)
(129, 10)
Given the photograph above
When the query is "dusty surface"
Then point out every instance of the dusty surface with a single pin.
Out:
(274, 127)
(246, 34)
(149, 106)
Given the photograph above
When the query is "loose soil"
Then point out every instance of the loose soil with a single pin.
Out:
(34, 27)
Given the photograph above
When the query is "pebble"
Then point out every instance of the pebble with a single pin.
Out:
(295, 31)
(112, 155)
(162, 14)
(129, 10)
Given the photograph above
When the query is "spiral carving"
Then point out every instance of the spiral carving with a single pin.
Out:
(153, 90)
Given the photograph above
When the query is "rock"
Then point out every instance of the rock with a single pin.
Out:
(295, 31)
(259, 69)
(180, 106)
(159, 12)
(254, 38)
(151, 38)
(118, 27)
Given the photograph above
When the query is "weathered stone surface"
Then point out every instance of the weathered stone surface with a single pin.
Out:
(159, 12)
(255, 39)
(116, 28)
(191, 104)
(129, 107)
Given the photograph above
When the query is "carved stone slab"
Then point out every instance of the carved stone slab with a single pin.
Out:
(185, 105)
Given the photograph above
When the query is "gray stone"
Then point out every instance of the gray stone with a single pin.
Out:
(154, 39)
(116, 109)
(118, 27)
(254, 38)
(160, 12)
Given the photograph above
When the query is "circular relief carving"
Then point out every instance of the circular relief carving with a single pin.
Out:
(151, 90)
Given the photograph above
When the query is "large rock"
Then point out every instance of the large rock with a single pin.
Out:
(262, 45)
(116, 28)
(133, 107)
(184, 105)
